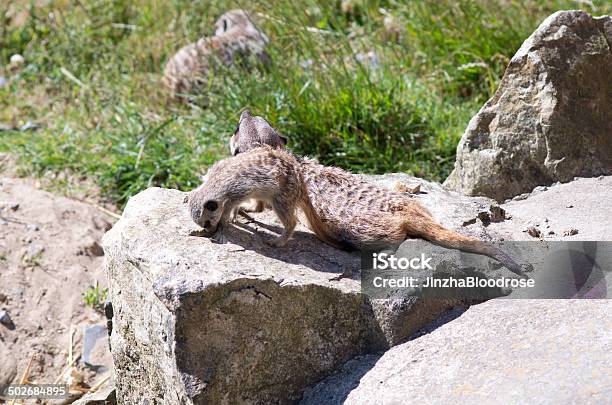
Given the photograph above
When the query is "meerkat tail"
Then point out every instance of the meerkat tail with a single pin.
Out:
(432, 231)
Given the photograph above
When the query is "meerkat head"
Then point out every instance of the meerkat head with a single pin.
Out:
(205, 210)
(236, 19)
(253, 131)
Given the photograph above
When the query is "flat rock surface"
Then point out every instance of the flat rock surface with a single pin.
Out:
(500, 352)
(585, 204)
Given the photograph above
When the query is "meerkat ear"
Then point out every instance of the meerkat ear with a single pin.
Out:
(234, 143)
(283, 140)
(245, 114)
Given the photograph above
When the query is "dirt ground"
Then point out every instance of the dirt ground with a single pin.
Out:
(49, 256)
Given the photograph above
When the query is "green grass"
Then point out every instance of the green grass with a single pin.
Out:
(94, 297)
(93, 68)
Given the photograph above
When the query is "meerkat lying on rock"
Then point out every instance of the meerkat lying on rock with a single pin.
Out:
(341, 209)
(235, 36)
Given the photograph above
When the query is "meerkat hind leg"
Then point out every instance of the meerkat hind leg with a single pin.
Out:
(256, 206)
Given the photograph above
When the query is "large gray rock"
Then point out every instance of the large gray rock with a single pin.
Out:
(551, 118)
(236, 321)
(198, 321)
(499, 352)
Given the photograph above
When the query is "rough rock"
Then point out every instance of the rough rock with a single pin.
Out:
(489, 351)
(238, 321)
(551, 118)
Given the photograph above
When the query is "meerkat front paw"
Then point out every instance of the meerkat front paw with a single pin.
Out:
(403, 188)
(198, 232)
(234, 215)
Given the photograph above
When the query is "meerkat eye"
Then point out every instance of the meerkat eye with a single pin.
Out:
(211, 205)
(224, 25)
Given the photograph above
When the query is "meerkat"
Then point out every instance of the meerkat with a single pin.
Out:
(235, 36)
(253, 131)
(341, 209)
(264, 174)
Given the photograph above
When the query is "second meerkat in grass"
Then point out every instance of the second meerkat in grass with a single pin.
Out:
(236, 37)
(341, 209)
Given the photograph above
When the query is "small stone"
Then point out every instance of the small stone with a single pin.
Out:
(498, 214)
(551, 232)
(569, 206)
(3, 81)
(5, 319)
(29, 126)
(14, 206)
(484, 217)
(600, 178)
(17, 60)
(102, 224)
(571, 232)
(91, 335)
(469, 222)
(94, 249)
(33, 227)
(415, 189)
(533, 231)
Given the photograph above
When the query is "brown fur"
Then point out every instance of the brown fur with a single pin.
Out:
(235, 36)
(254, 131)
(340, 208)
(251, 132)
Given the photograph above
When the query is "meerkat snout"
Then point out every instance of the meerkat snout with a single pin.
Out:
(207, 215)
